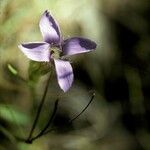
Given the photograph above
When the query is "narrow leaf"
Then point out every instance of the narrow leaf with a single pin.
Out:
(12, 69)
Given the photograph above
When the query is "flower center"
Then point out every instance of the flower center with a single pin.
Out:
(55, 52)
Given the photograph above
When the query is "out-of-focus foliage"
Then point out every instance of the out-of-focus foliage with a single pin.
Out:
(118, 71)
(10, 114)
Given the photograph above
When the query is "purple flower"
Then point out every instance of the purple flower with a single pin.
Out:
(54, 47)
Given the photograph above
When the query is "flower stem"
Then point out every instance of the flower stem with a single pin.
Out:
(38, 111)
(93, 95)
(73, 119)
(48, 123)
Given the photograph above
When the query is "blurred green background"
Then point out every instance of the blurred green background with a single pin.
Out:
(118, 72)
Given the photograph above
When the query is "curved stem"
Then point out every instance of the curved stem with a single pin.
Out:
(93, 95)
(38, 111)
(73, 119)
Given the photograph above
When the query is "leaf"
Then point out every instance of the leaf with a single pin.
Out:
(38, 69)
(11, 114)
(12, 69)
(7, 134)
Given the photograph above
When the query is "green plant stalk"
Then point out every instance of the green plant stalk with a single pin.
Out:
(38, 111)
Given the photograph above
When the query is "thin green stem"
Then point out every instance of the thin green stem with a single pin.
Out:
(48, 123)
(38, 111)
(73, 119)
(93, 95)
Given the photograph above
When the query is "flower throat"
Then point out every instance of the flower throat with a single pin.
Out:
(55, 52)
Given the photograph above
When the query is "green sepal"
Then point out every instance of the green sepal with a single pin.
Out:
(38, 69)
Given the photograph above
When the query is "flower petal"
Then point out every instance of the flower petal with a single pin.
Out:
(64, 74)
(78, 45)
(49, 29)
(36, 51)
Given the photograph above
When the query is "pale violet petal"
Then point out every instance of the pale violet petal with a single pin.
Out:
(64, 74)
(49, 28)
(37, 51)
(78, 45)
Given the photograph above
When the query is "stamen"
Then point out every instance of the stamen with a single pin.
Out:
(55, 52)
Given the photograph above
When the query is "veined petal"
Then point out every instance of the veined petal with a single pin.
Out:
(64, 74)
(36, 51)
(49, 28)
(78, 45)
